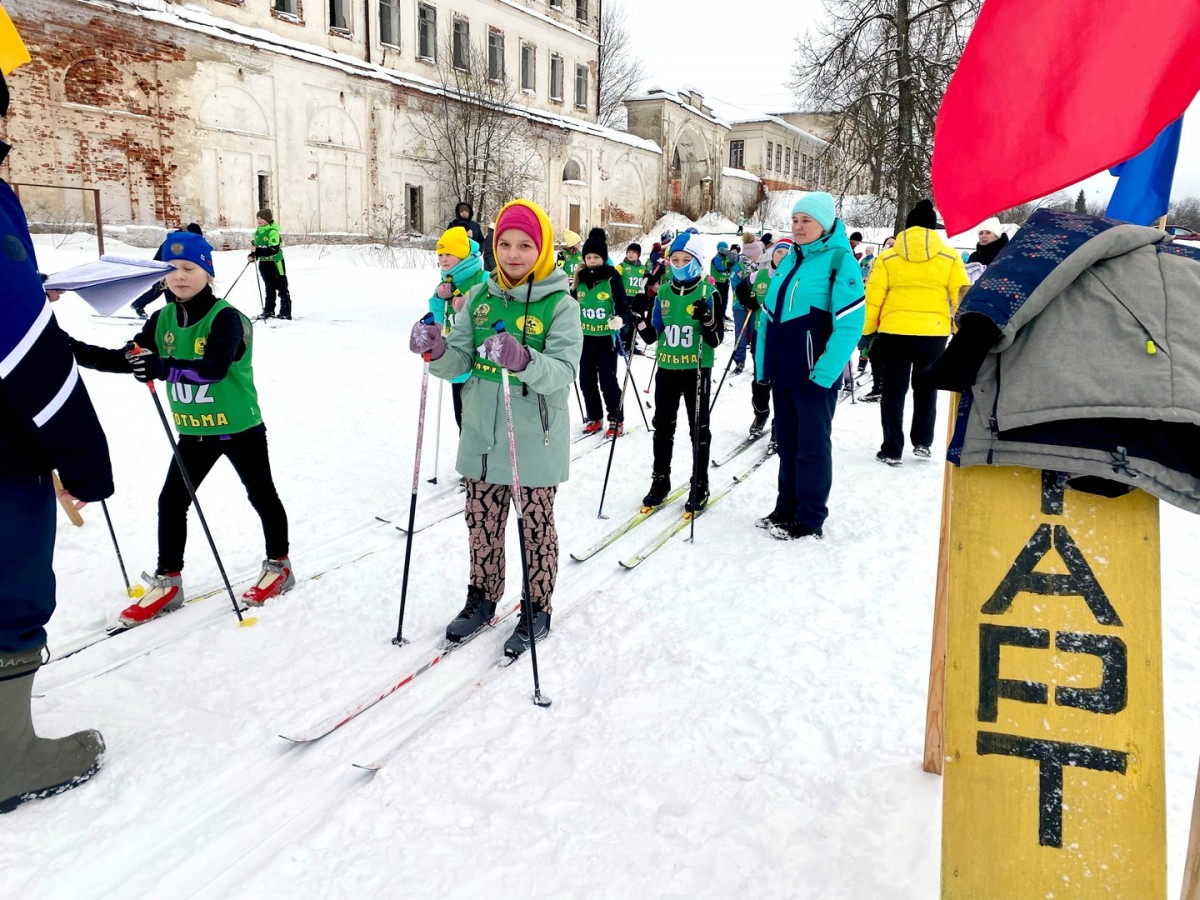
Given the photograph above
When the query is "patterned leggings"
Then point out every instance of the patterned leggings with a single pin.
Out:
(487, 515)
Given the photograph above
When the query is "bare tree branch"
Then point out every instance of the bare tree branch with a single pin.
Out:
(618, 72)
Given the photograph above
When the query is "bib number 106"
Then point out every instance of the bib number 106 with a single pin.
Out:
(190, 393)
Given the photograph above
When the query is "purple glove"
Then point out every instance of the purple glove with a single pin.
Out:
(427, 340)
(506, 352)
(445, 290)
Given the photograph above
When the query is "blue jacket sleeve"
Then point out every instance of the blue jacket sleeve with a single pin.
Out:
(848, 308)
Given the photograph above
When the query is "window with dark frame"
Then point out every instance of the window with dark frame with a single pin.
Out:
(414, 207)
(495, 55)
(770, 154)
(737, 154)
(787, 161)
(287, 7)
(556, 77)
(426, 31)
(339, 15)
(779, 158)
(528, 73)
(264, 190)
(581, 86)
(389, 23)
(581, 10)
(460, 41)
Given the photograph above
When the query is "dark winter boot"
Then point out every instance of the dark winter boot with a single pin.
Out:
(698, 497)
(518, 641)
(30, 766)
(660, 486)
(475, 615)
(759, 424)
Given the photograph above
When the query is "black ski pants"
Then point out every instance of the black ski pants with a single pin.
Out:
(598, 375)
(671, 388)
(902, 356)
(721, 300)
(803, 422)
(247, 452)
(275, 282)
(27, 529)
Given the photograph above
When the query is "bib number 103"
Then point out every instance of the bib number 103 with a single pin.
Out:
(678, 335)
(190, 393)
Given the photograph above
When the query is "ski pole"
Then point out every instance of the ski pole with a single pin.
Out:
(239, 277)
(399, 640)
(135, 350)
(612, 450)
(730, 363)
(138, 590)
(699, 405)
(262, 304)
(653, 370)
(629, 376)
(579, 400)
(519, 505)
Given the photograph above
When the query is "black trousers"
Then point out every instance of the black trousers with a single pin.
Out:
(900, 355)
(27, 528)
(721, 300)
(598, 375)
(275, 282)
(247, 452)
(803, 422)
(456, 397)
(672, 387)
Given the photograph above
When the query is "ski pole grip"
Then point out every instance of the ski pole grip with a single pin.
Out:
(132, 349)
(498, 326)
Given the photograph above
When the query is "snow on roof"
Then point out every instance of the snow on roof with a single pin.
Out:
(201, 21)
(740, 173)
(654, 92)
(550, 21)
(738, 115)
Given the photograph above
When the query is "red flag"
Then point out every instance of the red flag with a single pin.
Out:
(1048, 93)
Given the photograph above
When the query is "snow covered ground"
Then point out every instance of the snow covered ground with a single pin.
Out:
(736, 717)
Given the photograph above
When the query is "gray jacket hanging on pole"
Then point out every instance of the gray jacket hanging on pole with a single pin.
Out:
(1096, 369)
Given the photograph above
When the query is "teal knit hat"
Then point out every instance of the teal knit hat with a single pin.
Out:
(818, 205)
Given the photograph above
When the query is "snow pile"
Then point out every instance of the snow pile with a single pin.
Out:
(732, 718)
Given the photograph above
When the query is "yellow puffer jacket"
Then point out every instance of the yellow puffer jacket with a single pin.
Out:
(914, 287)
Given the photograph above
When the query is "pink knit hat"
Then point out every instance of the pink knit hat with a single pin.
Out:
(523, 219)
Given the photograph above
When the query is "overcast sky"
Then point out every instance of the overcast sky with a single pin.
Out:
(743, 53)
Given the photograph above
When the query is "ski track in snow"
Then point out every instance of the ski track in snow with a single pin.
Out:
(738, 716)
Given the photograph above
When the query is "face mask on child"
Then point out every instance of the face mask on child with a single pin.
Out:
(690, 272)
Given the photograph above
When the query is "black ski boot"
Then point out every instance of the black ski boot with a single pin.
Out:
(698, 498)
(518, 641)
(660, 486)
(474, 616)
(759, 424)
(772, 447)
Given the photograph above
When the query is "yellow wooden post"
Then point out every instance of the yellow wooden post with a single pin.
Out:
(1191, 867)
(935, 706)
(1054, 772)
(67, 506)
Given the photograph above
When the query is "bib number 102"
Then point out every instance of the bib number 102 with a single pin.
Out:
(678, 335)
(190, 393)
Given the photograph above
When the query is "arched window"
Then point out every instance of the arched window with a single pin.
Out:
(572, 171)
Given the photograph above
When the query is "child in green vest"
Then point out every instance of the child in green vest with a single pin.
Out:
(721, 271)
(603, 311)
(572, 258)
(462, 267)
(633, 274)
(760, 394)
(686, 329)
(268, 250)
(539, 346)
(202, 348)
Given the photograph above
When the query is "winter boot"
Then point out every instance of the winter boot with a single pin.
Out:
(771, 518)
(615, 429)
(475, 615)
(759, 424)
(592, 426)
(698, 497)
(792, 530)
(922, 452)
(660, 486)
(164, 596)
(30, 766)
(275, 578)
(888, 460)
(739, 368)
(518, 641)
(772, 445)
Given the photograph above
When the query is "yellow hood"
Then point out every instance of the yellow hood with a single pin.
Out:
(544, 265)
(919, 244)
(12, 48)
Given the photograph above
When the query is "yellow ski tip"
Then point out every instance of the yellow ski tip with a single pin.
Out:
(248, 622)
(137, 591)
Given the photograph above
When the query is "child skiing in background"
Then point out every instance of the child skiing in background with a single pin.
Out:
(760, 394)
(572, 259)
(633, 275)
(203, 348)
(268, 250)
(603, 310)
(540, 347)
(687, 329)
(720, 270)
(461, 262)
